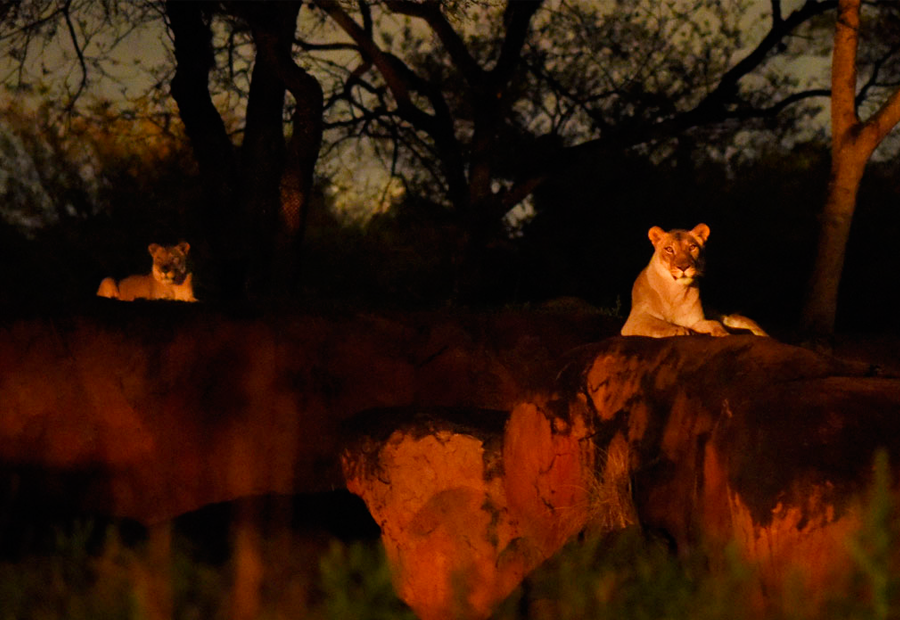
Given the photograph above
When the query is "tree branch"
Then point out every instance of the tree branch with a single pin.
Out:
(401, 80)
(78, 52)
(843, 72)
(430, 12)
(728, 83)
(713, 107)
(517, 19)
(884, 120)
(873, 77)
(776, 108)
(368, 47)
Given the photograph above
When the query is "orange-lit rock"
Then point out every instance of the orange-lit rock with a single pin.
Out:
(707, 439)
(153, 410)
(469, 501)
(149, 410)
(747, 439)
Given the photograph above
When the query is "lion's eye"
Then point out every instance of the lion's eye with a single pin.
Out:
(693, 247)
(670, 249)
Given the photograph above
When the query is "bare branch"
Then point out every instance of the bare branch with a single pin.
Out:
(78, 52)
(517, 18)
(872, 82)
(430, 12)
(398, 87)
(715, 106)
(780, 29)
(777, 18)
(884, 120)
(402, 81)
(308, 46)
(779, 106)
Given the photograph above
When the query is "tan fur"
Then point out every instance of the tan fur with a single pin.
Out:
(665, 299)
(169, 278)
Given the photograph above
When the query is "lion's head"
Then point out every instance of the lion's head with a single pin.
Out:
(680, 252)
(170, 262)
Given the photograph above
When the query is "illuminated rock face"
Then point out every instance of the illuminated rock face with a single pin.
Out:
(470, 501)
(149, 410)
(709, 440)
(475, 472)
(749, 440)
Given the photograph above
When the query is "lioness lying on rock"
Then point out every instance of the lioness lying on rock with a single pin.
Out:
(665, 299)
(169, 278)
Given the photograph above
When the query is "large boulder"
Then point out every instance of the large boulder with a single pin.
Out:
(708, 440)
(470, 501)
(151, 409)
(747, 440)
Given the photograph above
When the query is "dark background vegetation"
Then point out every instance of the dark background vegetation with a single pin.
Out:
(609, 121)
(587, 238)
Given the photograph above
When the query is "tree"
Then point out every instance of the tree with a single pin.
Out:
(852, 144)
(256, 190)
(473, 117)
(257, 195)
(493, 116)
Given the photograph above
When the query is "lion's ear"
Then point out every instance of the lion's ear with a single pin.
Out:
(701, 231)
(153, 248)
(184, 246)
(655, 234)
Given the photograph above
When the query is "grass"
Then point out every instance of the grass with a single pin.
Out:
(98, 575)
(627, 575)
(302, 578)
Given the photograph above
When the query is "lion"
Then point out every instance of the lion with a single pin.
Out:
(169, 278)
(665, 298)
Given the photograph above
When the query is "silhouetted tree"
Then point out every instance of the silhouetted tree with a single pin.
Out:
(852, 144)
(257, 194)
(257, 187)
(478, 103)
(493, 113)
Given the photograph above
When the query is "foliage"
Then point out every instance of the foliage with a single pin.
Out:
(876, 582)
(77, 579)
(356, 582)
(401, 258)
(94, 572)
(70, 582)
(627, 575)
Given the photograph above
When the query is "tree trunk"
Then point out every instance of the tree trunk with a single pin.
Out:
(852, 144)
(821, 306)
(285, 174)
(255, 207)
(263, 148)
(297, 179)
(219, 214)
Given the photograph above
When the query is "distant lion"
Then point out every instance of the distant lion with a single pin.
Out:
(665, 299)
(169, 278)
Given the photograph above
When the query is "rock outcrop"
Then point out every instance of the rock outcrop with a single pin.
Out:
(476, 462)
(149, 410)
(709, 440)
(748, 440)
(470, 501)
